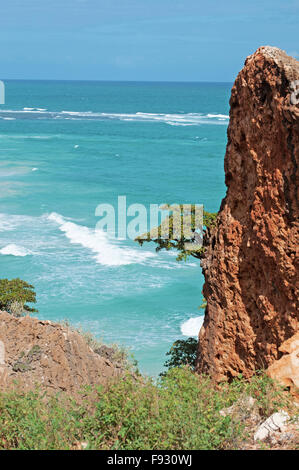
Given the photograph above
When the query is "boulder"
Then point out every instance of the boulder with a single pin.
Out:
(275, 423)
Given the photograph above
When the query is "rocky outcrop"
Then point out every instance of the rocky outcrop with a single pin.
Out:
(52, 356)
(286, 369)
(251, 260)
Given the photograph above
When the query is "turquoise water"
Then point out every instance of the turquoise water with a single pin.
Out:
(66, 147)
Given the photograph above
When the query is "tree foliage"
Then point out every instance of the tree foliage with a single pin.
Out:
(182, 352)
(173, 241)
(14, 295)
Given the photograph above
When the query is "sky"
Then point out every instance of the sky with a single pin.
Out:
(142, 40)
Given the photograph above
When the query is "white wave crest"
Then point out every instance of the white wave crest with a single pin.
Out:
(107, 252)
(34, 109)
(15, 250)
(174, 119)
(220, 116)
(192, 326)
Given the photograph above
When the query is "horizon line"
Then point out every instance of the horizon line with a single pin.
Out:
(109, 81)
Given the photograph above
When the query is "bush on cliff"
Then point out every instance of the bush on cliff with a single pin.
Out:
(170, 240)
(14, 295)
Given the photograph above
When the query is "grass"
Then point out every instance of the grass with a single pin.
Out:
(180, 411)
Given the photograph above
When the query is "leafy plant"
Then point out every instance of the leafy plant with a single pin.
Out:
(203, 305)
(175, 238)
(180, 411)
(14, 295)
(182, 352)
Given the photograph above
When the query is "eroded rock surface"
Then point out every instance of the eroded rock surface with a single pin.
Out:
(36, 352)
(251, 262)
(286, 369)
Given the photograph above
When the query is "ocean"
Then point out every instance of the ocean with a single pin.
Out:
(65, 148)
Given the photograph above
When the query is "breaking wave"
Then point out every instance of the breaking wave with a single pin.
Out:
(22, 231)
(15, 250)
(106, 251)
(192, 326)
(188, 119)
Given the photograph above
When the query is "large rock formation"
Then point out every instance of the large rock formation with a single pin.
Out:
(52, 356)
(251, 262)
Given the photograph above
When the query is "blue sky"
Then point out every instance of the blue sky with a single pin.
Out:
(179, 40)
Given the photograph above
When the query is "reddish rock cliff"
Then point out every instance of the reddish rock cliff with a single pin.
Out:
(251, 262)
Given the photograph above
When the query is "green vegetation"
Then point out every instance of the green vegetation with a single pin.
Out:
(181, 411)
(170, 234)
(178, 411)
(203, 305)
(23, 364)
(209, 219)
(14, 295)
(183, 352)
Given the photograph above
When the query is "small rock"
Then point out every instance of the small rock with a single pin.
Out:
(243, 405)
(227, 411)
(286, 436)
(105, 352)
(2, 353)
(274, 423)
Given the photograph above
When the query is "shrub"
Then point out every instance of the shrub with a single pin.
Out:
(182, 352)
(14, 295)
(174, 226)
(179, 412)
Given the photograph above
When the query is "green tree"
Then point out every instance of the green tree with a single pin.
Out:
(14, 295)
(182, 352)
(175, 236)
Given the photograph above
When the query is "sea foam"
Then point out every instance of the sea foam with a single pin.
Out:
(174, 119)
(192, 326)
(15, 250)
(107, 252)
